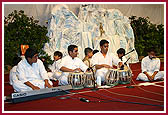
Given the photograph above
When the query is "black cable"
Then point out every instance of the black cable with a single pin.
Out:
(107, 100)
(128, 101)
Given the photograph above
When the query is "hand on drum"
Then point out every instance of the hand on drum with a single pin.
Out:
(77, 70)
(107, 66)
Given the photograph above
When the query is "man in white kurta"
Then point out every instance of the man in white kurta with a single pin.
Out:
(31, 72)
(103, 61)
(150, 66)
(71, 63)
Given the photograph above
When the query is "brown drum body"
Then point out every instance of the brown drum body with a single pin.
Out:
(112, 77)
(76, 80)
(125, 76)
(89, 79)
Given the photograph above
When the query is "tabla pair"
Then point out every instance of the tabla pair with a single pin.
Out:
(80, 80)
(112, 78)
(116, 76)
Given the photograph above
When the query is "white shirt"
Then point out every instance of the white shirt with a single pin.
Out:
(149, 65)
(123, 59)
(55, 66)
(27, 72)
(109, 59)
(70, 63)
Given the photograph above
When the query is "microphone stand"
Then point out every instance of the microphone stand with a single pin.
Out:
(94, 79)
(130, 86)
(130, 52)
(122, 68)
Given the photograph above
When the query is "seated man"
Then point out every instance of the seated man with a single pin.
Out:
(71, 63)
(31, 72)
(55, 72)
(103, 61)
(150, 66)
(88, 55)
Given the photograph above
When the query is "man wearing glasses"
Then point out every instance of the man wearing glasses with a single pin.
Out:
(31, 72)
(71, 63)
(103, 61)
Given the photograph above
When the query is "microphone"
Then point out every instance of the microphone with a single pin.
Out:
(84, 100)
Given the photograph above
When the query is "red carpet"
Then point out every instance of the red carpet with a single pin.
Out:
(118, 98)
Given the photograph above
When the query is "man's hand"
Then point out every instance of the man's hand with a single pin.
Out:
(107, 66)
(88, 70)
(120, 64)
(149, 77)
(35, 88)
(77, 70)
(153, 76)
(47, 84)
(31, 85)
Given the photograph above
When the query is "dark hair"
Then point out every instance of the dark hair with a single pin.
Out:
(102, 42)
(16, 60)
(87, 50)
(152, 49)
(95, 51)
(30, 53)
(121, 51)
(71, 48)
(58, 53)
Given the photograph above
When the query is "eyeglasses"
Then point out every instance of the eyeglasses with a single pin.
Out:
(105, 46)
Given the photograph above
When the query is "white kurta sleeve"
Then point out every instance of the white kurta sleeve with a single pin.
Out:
(83, 67)
(43, 72)
(143, 65)
(124, 59)
(20, 72)
(62, 63)
(157, 67)
(115, 59)
(57, 65)
(94, 60)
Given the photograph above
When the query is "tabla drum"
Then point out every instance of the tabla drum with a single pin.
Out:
(125, 76)
(111, 77)
(89, 79)
(76, 80)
